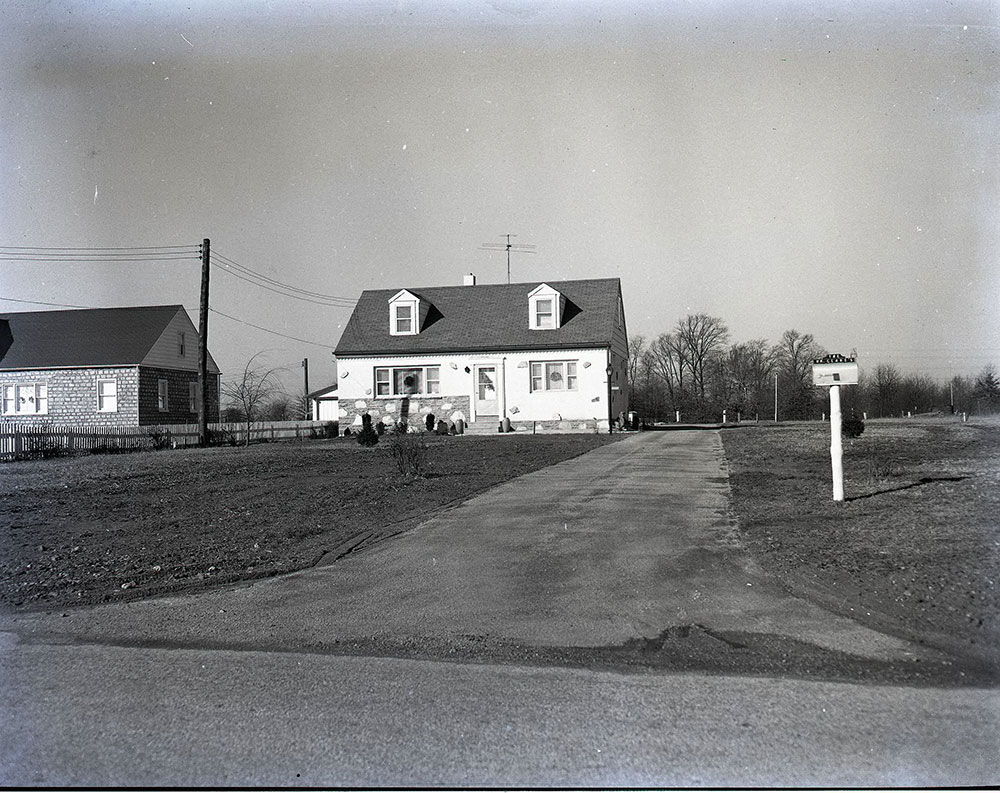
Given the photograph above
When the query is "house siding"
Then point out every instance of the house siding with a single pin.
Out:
(72, 396)
(164, 354)
(589, 403)
(179, 411)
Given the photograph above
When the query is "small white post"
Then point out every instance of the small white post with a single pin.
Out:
(677, 416)
(723, 417)
(836, 445)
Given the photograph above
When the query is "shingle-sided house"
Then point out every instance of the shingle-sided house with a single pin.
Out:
(103, 367)
(546, 355)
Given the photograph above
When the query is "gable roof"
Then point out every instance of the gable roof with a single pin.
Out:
(86, 337)
(484, 318)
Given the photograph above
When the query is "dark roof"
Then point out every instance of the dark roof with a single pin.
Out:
(85, 337)
(484, 317)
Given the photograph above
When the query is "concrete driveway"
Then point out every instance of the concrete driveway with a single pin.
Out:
(627, 542)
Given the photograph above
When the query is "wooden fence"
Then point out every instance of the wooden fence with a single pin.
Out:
(39, 441)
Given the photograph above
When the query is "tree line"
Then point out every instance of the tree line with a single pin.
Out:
(695, 371)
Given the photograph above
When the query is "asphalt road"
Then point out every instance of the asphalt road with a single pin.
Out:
(555, 630)
(110, 716)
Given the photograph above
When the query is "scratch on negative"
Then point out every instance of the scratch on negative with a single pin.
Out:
(185, 39)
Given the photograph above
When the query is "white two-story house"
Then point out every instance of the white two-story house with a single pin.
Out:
(546, 356)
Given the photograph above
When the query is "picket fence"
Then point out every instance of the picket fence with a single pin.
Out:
(35, 441)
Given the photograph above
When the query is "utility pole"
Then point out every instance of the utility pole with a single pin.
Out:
(305, 367)
(508, 246)
(203, 347)
(776, 399)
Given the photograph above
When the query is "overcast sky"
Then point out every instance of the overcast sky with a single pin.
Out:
(831, 167)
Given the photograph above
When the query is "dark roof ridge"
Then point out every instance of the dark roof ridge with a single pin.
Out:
(96, 308)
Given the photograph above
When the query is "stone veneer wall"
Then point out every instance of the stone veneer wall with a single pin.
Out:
(554, 425)
(178, 400)
(72, 396)
(388, 410)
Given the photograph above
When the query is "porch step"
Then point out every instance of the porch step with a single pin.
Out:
(483, 427)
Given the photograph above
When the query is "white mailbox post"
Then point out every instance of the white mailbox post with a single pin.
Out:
(834, 371)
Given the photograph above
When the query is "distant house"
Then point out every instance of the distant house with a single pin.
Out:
(324, 404)
(103, 367)
(546, 355)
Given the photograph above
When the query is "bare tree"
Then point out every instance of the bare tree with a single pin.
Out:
(749, 367)
(253, 392)
(795, 353)
(698, 337)
(666, 363)
(987, 390)
(885, 382)
(636, 348)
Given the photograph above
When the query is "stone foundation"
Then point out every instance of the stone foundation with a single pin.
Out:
(390, 411)
(562, 425)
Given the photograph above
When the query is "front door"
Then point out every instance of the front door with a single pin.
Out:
(486, 391)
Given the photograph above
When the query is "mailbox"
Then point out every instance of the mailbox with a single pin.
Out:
(835, 370)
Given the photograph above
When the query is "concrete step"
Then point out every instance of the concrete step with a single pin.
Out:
(483, 427)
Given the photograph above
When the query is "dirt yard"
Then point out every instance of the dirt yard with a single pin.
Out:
(92, 529)
(915, 547)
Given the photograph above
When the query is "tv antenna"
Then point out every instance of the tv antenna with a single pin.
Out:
(508, 246)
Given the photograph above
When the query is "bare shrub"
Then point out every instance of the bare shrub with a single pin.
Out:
(160, 438)
(880, 467)
(409, 452)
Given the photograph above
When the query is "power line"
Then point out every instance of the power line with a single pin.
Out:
(42, 303)
(130, 260)
(268, 330)
(266, 281)
(132, 248)
(280, 291)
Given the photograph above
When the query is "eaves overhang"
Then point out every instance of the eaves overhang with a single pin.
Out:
(602, 345)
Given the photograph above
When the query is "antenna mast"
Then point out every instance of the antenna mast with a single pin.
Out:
(507, 246)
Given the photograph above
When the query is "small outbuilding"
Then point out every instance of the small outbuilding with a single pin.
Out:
(324, 403)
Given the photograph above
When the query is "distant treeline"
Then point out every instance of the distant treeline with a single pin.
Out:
(696, 371)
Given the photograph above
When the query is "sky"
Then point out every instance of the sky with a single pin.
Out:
(828, 167)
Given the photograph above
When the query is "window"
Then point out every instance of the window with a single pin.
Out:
(107, 396)
(163, 397)
(404, 319)
(403, 381)
(545, 308)
(192, 397)
(543, 313)
(553, 376)
(25, 399)
(180, 344)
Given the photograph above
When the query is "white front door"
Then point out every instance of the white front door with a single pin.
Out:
(486, 391)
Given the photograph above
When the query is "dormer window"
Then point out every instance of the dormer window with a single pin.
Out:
(406, 313)
(545, 307)
(404, 318)
(544, 315)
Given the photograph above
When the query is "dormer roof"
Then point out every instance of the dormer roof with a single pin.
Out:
(403, 294)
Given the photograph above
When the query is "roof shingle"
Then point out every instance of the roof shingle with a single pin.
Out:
(483, 318)
(86, 337)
